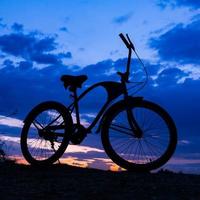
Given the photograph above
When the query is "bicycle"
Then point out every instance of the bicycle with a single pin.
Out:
(136, 134)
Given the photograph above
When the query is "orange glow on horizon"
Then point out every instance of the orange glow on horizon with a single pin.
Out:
(73, 161)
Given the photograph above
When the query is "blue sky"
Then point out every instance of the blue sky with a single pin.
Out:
(41, 40)
(84, 27)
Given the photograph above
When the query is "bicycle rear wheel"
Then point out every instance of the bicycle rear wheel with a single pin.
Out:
(46, 133)
(152, 150)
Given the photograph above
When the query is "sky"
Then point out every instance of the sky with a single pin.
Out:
(42, 40)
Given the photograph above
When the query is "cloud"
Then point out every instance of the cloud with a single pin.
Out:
(25, 65)
(46, 59)
(17, 27)
(23, 86)
(64, 29)
(2, 25)
(184, 142)
(195, 4)
(10, 121)
(170, 76)
(122, 19)
(25, 45)
(65, 55)
(32, 48)
(179, 44)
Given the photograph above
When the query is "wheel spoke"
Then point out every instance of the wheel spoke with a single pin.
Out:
(44, 133)
(127, 149)
(122, 130)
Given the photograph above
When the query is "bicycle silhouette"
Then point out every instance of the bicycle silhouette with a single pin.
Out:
(136, 134)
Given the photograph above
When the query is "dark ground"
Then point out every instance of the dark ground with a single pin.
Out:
(64, 182)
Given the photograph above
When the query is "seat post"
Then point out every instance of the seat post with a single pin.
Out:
(76, 106)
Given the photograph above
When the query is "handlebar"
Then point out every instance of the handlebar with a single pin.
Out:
(124, 40)
(125, 76)
(130, 46)
(127, 41)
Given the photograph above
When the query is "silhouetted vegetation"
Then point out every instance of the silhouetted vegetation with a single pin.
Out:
(4, 158)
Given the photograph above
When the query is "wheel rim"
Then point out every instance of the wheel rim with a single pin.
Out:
(43, 141)
(139, 151)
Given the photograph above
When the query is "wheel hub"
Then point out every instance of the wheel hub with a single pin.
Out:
(47, 135)
(138, 134)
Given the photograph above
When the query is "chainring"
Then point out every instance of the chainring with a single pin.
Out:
(78, 134)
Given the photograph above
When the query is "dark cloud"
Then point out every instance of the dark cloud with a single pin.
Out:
(64, 29)
(23, 87)
(45, 44)
(32, 47)
(170, 76)
(180, 100)
(181, 43)
(195, 4)
(8, 63)
(46, 58)
(99, 68)
(25, 45)
(24, 65)
(65, 55)
(17, 27)
(122, 19)
(45, 83)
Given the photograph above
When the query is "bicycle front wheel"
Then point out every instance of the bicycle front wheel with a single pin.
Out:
(46, 133)
(152, 150)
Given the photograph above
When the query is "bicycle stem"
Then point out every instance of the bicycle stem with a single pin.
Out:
(130, 47)
(128, 63)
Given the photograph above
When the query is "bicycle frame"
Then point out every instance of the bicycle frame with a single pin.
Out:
(113, 89)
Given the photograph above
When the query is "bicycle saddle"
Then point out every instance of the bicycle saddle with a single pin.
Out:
(73, 82)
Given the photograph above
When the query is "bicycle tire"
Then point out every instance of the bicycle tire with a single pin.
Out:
(128, 164)
(28, 129)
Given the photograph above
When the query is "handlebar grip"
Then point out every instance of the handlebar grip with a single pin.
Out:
(124, 40)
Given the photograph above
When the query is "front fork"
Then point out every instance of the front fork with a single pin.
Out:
(133, 124)
(131, 119)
